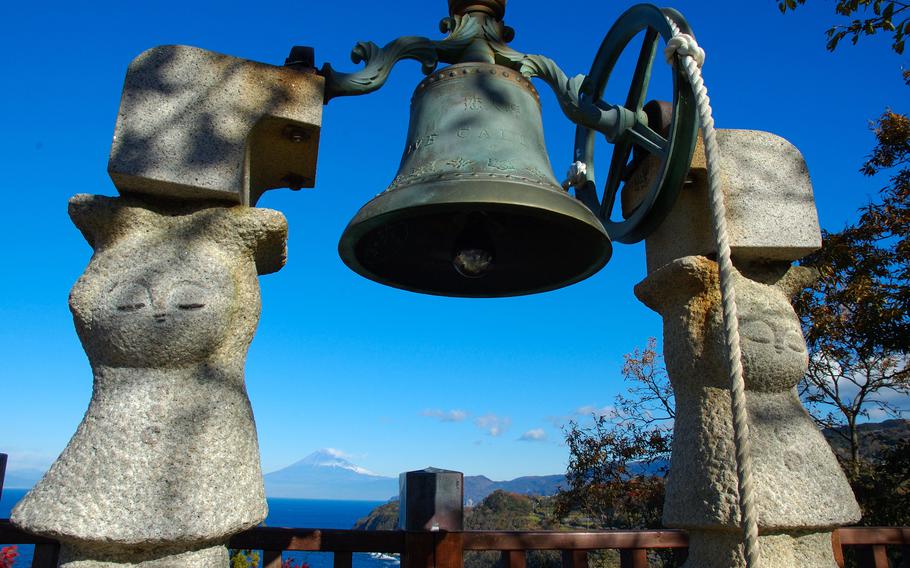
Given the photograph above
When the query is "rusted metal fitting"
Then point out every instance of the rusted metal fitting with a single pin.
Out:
(496, 8)
(301, 57)
(295, 134)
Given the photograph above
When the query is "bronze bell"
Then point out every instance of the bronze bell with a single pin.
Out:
(475, 209)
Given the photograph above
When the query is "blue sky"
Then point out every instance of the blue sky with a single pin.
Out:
(395, 380)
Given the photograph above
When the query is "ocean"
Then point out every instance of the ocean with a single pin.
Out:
(304, 513)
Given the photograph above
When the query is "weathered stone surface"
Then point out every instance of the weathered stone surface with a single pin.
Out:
(798, 549)
(198, 124)
(770, 206)
(159, 557)
(797, 481)
(167, 454)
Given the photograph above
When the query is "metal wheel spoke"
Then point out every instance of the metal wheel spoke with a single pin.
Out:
(649, 140)
(628, 129)
(638, 89)
(621, 152)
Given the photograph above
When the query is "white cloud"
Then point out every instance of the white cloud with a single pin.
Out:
(336, 453)
(535, 435)
(454, 415)
(558, 421)
(28, 460)
(877, 414)
(588, 410)
(581, 414)
(492, 424)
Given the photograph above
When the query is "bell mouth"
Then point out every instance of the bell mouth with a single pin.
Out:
(477, 239)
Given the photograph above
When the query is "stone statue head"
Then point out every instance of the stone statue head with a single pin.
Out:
(773, 348)
(174, 288)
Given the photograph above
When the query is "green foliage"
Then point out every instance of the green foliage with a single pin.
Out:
(244, 559)
(502, 510)
(857, 317)
(869, 18)
(604, 491)
(382, 518)
(882, 488)
(605, 488)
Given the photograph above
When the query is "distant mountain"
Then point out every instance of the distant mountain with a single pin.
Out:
(325, 474)
(23, 478)
(874, 437)
(476, 487)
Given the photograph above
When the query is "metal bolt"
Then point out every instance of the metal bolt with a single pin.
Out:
(294, 182)
(296, 134)
(301, 57)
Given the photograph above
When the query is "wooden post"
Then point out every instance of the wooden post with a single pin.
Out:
(431, 510)
(875, 556)
(513, 559)
(880, 555)
(633, 558)
(418, 550)
(838, 549)
(449, 549)
(46, 556)
(2, 472)
(342, 559)
(271, 559)
(574, 559)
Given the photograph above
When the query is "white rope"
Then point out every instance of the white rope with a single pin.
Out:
(684, 45)
(692, 57)
(576, 175)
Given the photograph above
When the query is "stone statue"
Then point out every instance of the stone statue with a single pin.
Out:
(165, 464)
(801, 492)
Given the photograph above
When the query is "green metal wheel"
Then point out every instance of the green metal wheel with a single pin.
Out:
(673, 146)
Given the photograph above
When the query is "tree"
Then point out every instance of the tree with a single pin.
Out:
(887, 16)
(244, 559)
(8, 556)
(857, 317)
(501, 510)
(883, 488)
(616, 464)
(650, 396)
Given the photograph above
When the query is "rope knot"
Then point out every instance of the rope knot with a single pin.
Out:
(576, 175)
(684, 45)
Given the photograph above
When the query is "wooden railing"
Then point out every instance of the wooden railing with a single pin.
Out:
(420, 549)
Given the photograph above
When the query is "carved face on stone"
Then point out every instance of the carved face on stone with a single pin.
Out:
(170, 290)
(167, 306)
(773, 348)
(772, 344)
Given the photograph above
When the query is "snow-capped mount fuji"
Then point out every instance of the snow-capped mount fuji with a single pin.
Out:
(330, 457)
(326, 474)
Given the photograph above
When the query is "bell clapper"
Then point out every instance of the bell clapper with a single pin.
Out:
(473, 256)
(472, 262)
